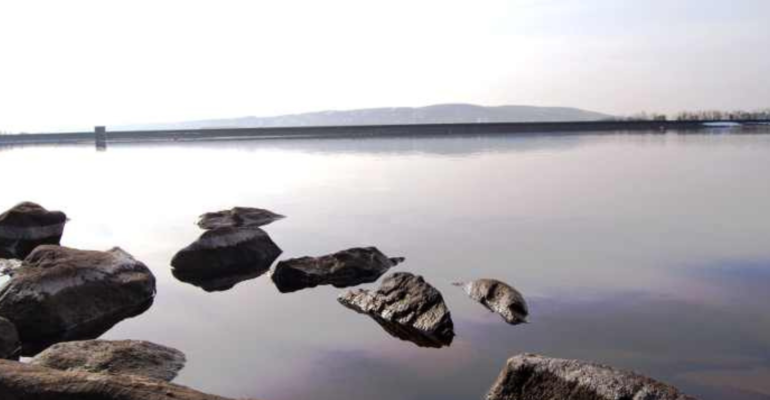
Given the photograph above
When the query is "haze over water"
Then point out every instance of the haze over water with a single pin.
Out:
(646, 252)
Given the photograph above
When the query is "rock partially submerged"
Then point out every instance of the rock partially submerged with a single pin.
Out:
(26, 226)
(132, 357)
(498, 297)
(20, 381)
(238, 217)
(10, 346)
(61, 293)
(345, 268)
(406, 307)
(222, 257)
(534, 377)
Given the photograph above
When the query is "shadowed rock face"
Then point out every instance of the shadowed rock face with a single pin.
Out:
(20, 381)
(345, 268)
(498, 297)
(26, 226)
(223, 257)
(114, 357)
(9, 340)
(534, 377)
(407, 307)
(238, 217)
(62, 294)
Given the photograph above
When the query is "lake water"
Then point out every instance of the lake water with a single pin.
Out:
(648, 252)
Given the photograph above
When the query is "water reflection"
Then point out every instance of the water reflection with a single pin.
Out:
(619, 242)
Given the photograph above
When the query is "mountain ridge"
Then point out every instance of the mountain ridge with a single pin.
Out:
(433, 114)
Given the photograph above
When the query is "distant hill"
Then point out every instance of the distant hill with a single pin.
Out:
(436, 114)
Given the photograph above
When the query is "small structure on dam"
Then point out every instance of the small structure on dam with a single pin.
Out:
(100, 134)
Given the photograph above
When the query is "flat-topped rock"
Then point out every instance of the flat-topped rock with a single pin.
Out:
(534, 377)
(222, 257)
(19, 381)
(134, 357)
(406, 307)
(238, 217)
(10, 346)
(345, 268)
(498, 297)
(61, 293)
(26, 226)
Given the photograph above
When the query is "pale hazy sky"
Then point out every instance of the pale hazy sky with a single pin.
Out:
(78, 63)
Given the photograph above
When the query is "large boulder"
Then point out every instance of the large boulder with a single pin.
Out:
(222, 257)
(238, 217)
(20, 381)
(26, 226)
(134, 357)
(534, 377)
(345, 268)
(10, 345)
(61, 293)
(498, 297)
(407, 307)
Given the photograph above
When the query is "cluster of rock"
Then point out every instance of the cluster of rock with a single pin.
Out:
(58, 296)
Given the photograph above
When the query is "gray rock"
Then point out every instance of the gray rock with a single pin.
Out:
(534, 377)
(407, 307)
(132, 357)
(345, 268)
(63, 294)
(10, 346)
(238, 217)
(223, 257)
(498, 297)
(19, 381)
(26, 226)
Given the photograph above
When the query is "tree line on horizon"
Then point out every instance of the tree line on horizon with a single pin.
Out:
(702, 115)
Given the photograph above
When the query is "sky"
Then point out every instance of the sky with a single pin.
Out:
(78, 63)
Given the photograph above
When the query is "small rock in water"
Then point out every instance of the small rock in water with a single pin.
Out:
(238, 217)
(498, 297)
(534, 377)
(223, 257)
(345, 268)
(132, 357)
(64, 294)
(9, 340)
(406, 307)
(26, 226)
(8, 267)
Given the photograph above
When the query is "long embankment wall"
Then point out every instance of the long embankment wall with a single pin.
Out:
(359, 130)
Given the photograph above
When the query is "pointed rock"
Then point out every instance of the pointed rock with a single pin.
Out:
(498, 297)
(406, 307)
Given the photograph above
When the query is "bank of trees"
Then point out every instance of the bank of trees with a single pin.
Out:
(703, 115)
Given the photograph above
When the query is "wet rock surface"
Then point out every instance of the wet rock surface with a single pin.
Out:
(26, 226)
(534, 377)
(406, 307)
(20, 381)
(238, 217)
(498, 297)
(10, 345)
(223, 257)
(61, 293)
(345, 268)
(132, 357)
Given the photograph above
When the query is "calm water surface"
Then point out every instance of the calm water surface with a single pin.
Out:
(646, 252)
